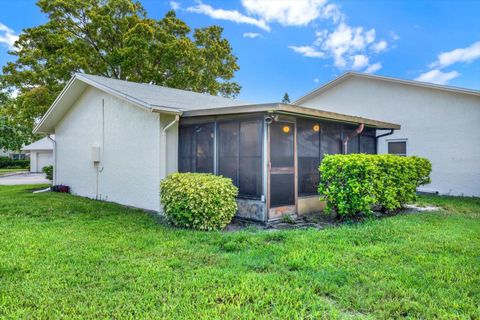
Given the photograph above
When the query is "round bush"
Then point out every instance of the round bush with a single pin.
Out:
(198, 200)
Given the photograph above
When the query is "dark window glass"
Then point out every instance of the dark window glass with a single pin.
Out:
(196, 148)
(368, 143)
(331, 142)
(282, 190)
(308, 152)
(240, 155)
(281, 144)
(397, 147)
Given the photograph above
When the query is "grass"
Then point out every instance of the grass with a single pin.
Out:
(5, 171)
(63, 256)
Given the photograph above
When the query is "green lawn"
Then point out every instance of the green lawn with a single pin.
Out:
(62, 256)
(5, 171)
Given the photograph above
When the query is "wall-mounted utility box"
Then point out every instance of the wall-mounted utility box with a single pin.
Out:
(96, 154)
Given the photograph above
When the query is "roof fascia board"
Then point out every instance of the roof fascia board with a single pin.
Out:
(327, 115)
(54, 104)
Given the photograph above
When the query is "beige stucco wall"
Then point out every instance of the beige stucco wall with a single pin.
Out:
(441, 126)
(309, 204)
(129, 138)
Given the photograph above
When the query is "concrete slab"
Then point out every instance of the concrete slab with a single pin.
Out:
(23, 178)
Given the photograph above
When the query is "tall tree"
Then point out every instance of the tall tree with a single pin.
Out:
(12, 134)
(286, 98)
(113, 38)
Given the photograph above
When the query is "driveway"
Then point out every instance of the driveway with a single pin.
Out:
(23, 178)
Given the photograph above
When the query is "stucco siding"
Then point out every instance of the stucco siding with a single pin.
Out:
(441, 126)
(129, 141)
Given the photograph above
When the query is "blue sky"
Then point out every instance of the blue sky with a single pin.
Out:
(295, 46)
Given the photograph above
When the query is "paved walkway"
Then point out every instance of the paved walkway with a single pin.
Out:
(23, 178)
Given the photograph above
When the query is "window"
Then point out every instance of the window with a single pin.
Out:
(240, 155)
(308, 152)
(196, 148)
(18, 156)
(398, 148)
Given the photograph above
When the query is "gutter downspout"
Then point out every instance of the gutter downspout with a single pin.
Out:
(355, 133)
(164, 145)
(54, 159)
(383, 135)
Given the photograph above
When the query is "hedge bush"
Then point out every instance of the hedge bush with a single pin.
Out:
(198, 200)
(48, 170)
(6, 163)
(359, 182)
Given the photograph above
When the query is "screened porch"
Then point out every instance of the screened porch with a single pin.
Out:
(272, 157)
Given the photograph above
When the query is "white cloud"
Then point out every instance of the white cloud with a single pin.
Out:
(379, 46)
(468, 54)
(437, 76)
(394, 36)
(230, 15)
(251, 35)
(288, 12)
(360, 61)
(7, 36)
(373, 68)
(316, 80)
(332, 11)
(174, 5)
(307, 51)
(345, 42)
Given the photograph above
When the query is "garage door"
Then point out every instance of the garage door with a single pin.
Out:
(44, 159)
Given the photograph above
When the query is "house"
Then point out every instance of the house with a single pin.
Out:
(440, 123)
(115, 140)
(13, 155)
(41, 154)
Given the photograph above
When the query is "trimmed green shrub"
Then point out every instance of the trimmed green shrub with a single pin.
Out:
(357, 183)
(49, 172)
(6, 163)
(198, 200)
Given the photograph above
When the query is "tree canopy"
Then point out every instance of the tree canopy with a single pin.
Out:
(116, 39)
(286, 98)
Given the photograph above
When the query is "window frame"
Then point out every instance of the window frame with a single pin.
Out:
(398, 140)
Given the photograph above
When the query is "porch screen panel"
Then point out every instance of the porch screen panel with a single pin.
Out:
(308, 153)
(204, 148)
(196, 148)
(186, 154)
(228, 146)
(330, 139)
(250, 158)
(353, 143)
(368, 143)
(240, 155)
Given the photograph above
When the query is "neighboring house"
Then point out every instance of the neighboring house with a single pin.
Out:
(14, 155)
(439, 122)
(115, 141)
(41, 154)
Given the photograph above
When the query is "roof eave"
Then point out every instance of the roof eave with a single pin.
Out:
(40, 127)
(292, 109)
